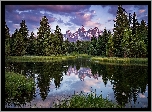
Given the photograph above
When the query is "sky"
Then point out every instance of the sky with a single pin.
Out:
(68, 17)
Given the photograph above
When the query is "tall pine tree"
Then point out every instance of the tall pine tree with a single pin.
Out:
(31, 48)
(24, 32)
(110, 46)
(59, 40)
(43, 35)
(121, 23)
(17, 44)
(93, 46)
(102, 43)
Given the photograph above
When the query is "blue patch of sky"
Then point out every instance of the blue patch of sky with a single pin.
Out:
(102, 16)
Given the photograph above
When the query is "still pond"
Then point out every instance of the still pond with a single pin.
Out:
(59, 80)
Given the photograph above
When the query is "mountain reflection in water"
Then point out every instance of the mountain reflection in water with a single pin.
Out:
(82, 73)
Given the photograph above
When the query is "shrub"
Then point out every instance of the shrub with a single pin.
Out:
(18, 88)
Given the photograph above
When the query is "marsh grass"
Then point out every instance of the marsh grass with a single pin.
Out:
(102, 60)
(86, 101)
(135, 61)
(45, 58)
(18, 87)
(38, 58)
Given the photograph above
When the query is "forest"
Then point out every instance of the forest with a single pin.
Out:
(129, 39)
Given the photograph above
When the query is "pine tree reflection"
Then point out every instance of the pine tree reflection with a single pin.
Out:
(127, 81)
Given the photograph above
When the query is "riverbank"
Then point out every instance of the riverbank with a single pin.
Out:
(38, 58)
(98, 59)
(116, 60)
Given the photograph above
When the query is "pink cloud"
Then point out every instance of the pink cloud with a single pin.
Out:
(51, 19)
(142, 95)
(84, 19)
(65, 8)
(92, 24)
(142, 10)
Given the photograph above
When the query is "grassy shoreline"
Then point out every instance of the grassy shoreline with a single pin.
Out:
(122, 61)
(98, 59)
(39, 58)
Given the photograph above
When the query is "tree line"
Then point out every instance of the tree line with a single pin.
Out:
(129, 39)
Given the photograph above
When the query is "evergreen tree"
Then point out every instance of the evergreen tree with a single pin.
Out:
(7, 41)
(59, 40)
(93, 46)
(65, 46)
(72, 47)
(120, 25)
(43, 35)
(78, 46)
(102, 43)
(139, 40)
(31, 48)
(133, 39)
(135, 24)
(85, 47)
(24, 32)
(127, 42)
(110, 46)
(17, 44)
(143, 33)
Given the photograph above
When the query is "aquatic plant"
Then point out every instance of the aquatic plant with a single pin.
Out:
(86, 101)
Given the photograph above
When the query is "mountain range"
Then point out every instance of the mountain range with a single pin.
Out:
(82, 35)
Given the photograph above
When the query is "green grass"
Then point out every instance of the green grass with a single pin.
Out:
(45, 58)
(86, 101)
(38, 58)
(115, 60)
(102, 60)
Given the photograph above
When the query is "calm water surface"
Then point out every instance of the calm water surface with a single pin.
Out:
(56, 81)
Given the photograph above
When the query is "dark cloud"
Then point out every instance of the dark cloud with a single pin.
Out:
(14, 16)
(32, 15)
(104, 6)
(142, 12)
(113, 9)
(140, 7)
(109, 20)
(17, 17)
(10, 8)
(51, 8)
(92, 11)
(31, 18)
(81, 18)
